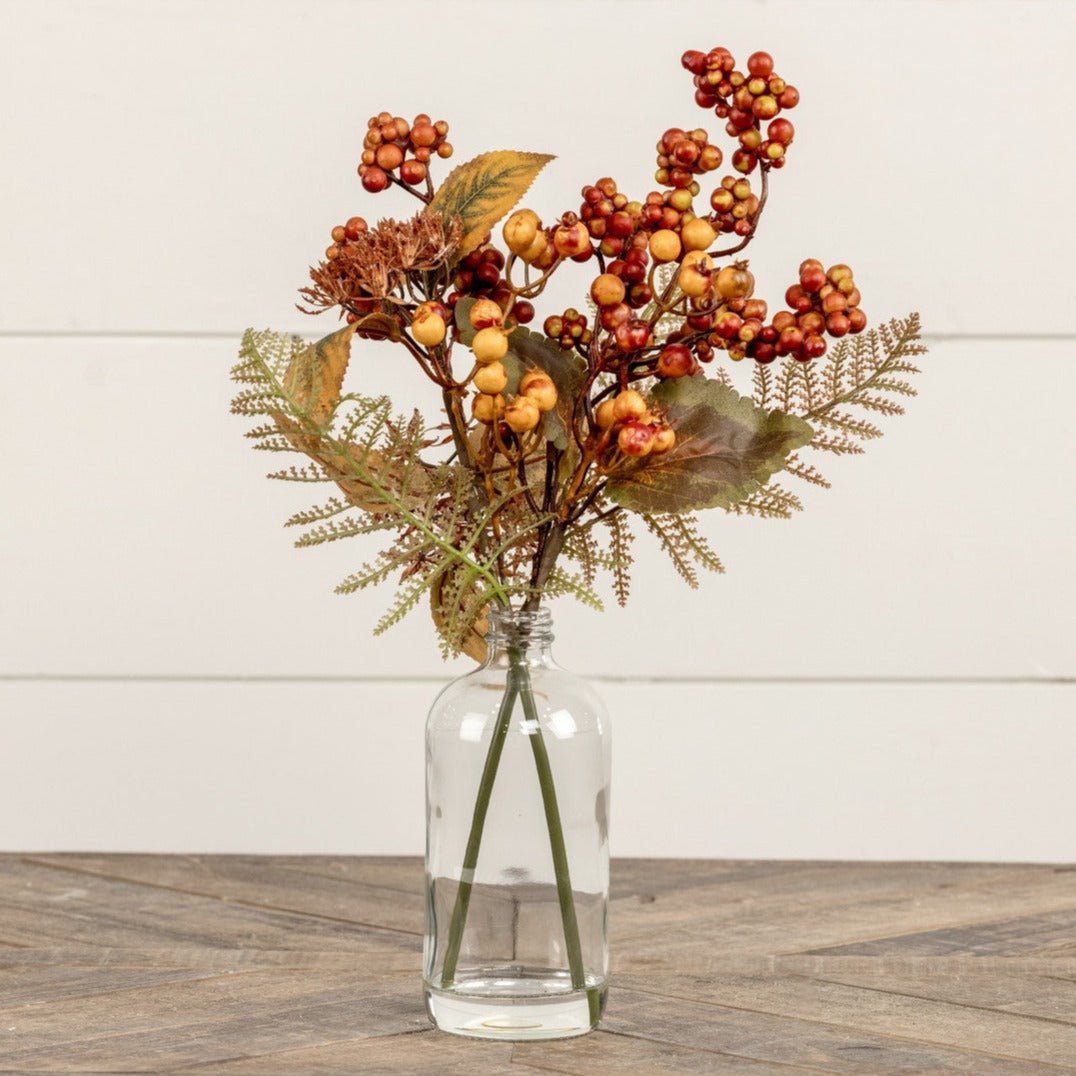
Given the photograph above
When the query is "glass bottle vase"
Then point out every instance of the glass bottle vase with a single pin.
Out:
(517, 849)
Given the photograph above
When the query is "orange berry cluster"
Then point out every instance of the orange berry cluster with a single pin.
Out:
(734, 206)
(343, 234)
(682, 155)
(746, 101)
(629, 426)
(394, 145)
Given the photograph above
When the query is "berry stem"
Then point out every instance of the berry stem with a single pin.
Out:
(478, 824)
(424, 198)
(561, 869)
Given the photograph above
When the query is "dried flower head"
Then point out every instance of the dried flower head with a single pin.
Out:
(374, 266)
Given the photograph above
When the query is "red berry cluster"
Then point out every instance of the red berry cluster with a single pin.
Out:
(568, 329)
(666, 209)
(682, 155)
(608, 215)
(746, 101)
(389, 141)
(343, 234)
(734, 206)
(824, 303)
(479, 274)
(827, 294)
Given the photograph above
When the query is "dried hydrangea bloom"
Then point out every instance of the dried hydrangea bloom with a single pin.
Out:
(374, 267)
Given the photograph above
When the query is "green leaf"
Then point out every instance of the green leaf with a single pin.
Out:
(566, 369)
(315, 376)
(726, 448)
(462, 314)
(484, 189)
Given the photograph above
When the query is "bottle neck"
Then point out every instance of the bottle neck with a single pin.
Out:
(514, 634)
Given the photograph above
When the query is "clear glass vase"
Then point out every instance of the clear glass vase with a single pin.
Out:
(517, 846)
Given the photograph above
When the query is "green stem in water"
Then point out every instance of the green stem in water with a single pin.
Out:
(565, 894)
(478, 824)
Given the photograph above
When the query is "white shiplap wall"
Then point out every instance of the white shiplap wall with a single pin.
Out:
(888, 675)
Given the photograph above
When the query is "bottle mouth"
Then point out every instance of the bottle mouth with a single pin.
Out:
(519, 626)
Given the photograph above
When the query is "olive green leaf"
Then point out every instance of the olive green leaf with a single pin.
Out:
(566, 369)
(481, 191)
(726, 448)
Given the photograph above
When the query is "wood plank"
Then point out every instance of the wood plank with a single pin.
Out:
(975, 1028)
(44, 904)
(795, 888)
(213, 1019)
(419, 1053)
(786, 1039)
(624, 1055)
(1041, 995)
(1051, 933)
(835, 928)
(261, 882)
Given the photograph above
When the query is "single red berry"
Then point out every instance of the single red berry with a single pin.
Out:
(781, 130)
(760, 64)
(375, 179)
(523, 312)
(694, 61)
(412, 172)
(675, 360)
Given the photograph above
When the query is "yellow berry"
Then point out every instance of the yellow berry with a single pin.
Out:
(520, 230)
(536, 249)
(607, 290)
(604, 415)
(484, 313)
(539, 387)
(489, 345)
(665, 245)
(491, 379)
(427, 326)
(696, 277)
(697, 234)
(522, 415)
(734, 283)
(664, 439)
(628, 406)
(487, 408)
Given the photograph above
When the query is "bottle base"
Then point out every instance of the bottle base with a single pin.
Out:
(514, 1010)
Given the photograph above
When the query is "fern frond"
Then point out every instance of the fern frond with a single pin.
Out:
(354, 527)
(310, 472)
(332, 507)
(620, 549)
(809, 473)
(567, 584)
(685, 545)
(771, 501)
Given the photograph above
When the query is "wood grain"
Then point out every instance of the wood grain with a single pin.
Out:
(272, 965)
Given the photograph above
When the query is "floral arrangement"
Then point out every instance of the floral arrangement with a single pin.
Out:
(551, 442)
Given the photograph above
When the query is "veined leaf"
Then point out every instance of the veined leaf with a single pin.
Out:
(726, 448)
(566, 369)
(315, 376)
(481, 191)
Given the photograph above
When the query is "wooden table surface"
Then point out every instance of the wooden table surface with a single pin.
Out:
(252, 964)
